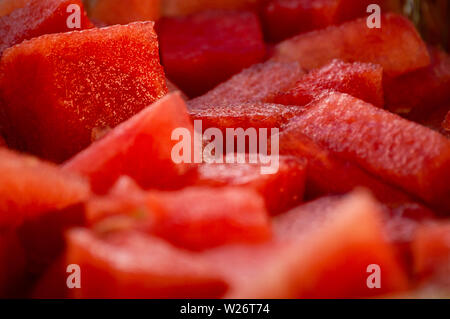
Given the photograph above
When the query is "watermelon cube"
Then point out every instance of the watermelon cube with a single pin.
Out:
(306, 260)
(122, 12)
(259, 83)
(286, 18)
(140, 148)
(244, 115)
(280, 191)
(401, 152)
(202, 50)
(361, 80)
(190, 219)
(133, 265)
(76, 83)
(396, 46)
(38, 17)
(420, 91)
(328, 174)
(30, 188)
(431, 251)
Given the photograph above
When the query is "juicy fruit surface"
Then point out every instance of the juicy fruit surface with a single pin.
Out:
(361, 80)
(401, 152)
(189, 219)
(30, 187)
(77, 82)
(131, 265)
(258, 83)
(396, 46)
(140, 148)
(200, 51)
(35, 18)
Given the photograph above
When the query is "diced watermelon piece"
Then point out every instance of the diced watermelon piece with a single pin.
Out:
(36, 18)
(132, 265)
(202, 50)
(185, 7)
(12, 265)
(244, 115)
(140, 148)
(189, 219)
(396, 46)
(123, 12)
(423, 90)
(286, 18)
(8, 6)
(308, 262)
(281, 191)
(328, 174)
(361, 80)
(404, 153)
(431, 249)
(77, 82)
(30, 188)
(259, 83)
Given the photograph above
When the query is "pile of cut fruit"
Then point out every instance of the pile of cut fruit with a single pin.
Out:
(96, 95)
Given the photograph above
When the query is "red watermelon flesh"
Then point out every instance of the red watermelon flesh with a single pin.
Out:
(259, 83)
(431, 249)
(281, 190)
(361, 80)
(30, 188)
(433, 119)
(328, 174)
(77, 82)
(310, 262)
(396, 46)
(202, 50)
(190, 219)
(122, 12)
(423, 90)
(244, 115)
(401, 152)
(286, 18)
(446, 123)
(133, 265)
(140, 148)
(36, 18)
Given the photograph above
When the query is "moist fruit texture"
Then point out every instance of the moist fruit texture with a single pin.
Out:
(77, 82)
(396, 46)
(200, 51)
(38, 17)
